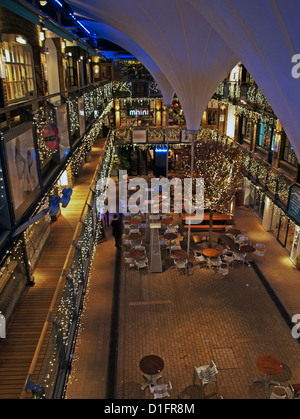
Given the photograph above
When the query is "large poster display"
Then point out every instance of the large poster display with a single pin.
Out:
(21, 166)
(139, 136)
(63, 131)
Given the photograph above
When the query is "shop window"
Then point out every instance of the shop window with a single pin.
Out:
(290, 236)
(283, 229)
(70, 71)
(264, 134)
(289, 154)
(275, 220)
(17, 69)
(212, 117)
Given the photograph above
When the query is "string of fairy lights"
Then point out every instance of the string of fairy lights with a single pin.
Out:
(79, 274)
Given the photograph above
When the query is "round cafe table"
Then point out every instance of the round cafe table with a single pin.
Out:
(135, 221)
(136, 254)
(170, 236)
(233, 231)
(210, 252)
(179, 254)
(167, 220)
(151, 366)
(246, 248)
(269, 365)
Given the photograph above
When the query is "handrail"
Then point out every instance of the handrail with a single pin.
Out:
(58, 287)
(18, 105)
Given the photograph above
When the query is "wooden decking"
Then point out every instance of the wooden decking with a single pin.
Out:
(17, 350)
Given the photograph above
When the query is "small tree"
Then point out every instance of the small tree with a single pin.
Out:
(219, 164)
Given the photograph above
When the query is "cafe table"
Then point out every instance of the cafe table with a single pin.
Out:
(135, 221)
(134, 236)
(210, 252)
(233, 231)
(179, 254)
(167, 220)
(170, 236)
(151, 366)
(136, 254)
(269, 365)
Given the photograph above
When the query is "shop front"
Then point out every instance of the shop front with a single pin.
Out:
(282, 221)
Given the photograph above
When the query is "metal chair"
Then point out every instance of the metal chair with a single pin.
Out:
(260, 249)
(238, 257)
(141, 264)
(128, 261)
(228, 256)
(214, 263)
(223, 269)
(180, 263)
(206, 374)
(199, 258)
(161, 390)
(280, 392)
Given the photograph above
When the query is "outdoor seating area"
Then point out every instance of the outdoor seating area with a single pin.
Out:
(220, 253)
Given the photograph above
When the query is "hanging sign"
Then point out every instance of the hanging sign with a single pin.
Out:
(50, 135)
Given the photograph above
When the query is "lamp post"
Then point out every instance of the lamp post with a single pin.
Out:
(194, 134)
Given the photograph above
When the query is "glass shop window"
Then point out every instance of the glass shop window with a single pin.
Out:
(264, 134)
(283, 229)
(289, 154)
(275, 220)
(17, 69)
(290, 236)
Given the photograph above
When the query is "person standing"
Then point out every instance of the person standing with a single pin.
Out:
(116, 230)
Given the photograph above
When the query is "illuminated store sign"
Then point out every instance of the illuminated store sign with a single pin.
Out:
(138, 112)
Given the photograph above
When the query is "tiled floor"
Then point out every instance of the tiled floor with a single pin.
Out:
(189, 320)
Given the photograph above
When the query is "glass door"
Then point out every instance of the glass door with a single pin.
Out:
(284, 221)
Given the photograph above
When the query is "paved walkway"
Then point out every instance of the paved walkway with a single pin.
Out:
(189, 320)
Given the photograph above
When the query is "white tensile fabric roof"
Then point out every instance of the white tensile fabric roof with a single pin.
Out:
(192, 45)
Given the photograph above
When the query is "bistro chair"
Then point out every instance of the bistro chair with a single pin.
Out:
(214, 263)
(206, 374)
(260, 249)
(280, 392)
(223, 268)
(134, 231)
(238, 257)
(180, 264)
(141, 264)
(128, 261)
(199, 258)
(227, 255)
(161, 390)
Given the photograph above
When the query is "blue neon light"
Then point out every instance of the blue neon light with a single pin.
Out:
(58, 2)
(83, 27)
(161, 150)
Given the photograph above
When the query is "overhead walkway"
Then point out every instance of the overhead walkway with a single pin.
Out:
(18, 348)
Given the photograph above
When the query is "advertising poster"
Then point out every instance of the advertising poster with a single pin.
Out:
(186, 136)
(63, 132)
(139, 136)
(22, 167)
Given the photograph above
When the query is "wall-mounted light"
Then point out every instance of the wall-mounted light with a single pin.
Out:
(42, 36)
(21, 40)
(43, 2)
